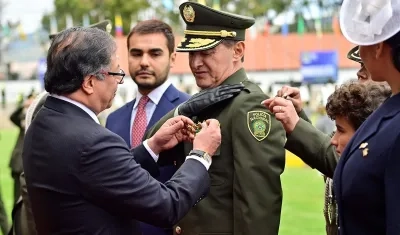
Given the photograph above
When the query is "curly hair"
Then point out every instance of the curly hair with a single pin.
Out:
(355, 101)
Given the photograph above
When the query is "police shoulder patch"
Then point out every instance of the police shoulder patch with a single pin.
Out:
(259, 124)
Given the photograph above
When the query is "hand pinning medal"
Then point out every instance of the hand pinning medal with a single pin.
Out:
(196, 128)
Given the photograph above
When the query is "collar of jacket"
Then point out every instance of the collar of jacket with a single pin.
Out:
(237, 77)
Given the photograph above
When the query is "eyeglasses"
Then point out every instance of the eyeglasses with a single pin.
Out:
(121, 73)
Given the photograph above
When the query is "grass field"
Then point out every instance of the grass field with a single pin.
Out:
(302, 187)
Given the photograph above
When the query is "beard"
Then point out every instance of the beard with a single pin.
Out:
(153, 81)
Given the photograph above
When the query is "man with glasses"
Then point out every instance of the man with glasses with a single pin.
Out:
(23, 223)
(81, 177)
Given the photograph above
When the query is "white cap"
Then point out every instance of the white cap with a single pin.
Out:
(367, 22)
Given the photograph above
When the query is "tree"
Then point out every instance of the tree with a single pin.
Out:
(96, 9)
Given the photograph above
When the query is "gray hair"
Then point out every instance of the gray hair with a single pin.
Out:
(74, 54)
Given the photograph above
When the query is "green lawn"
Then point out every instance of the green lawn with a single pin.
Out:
(302, 201)
(7, 141)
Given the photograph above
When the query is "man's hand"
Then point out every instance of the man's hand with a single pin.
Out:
(206, 98)
(292, 94)
(170, 134)
(284, 112)
(209, 138)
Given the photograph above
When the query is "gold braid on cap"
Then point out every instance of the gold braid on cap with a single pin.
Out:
(222, 33)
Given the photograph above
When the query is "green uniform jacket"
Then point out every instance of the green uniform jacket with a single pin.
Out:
(313, 147)
(245, 196)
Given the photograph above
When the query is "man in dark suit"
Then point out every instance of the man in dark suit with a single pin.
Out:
(151, 54)
(81, 177)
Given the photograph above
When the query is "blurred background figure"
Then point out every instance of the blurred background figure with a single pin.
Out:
(18, 119)
(324, 123)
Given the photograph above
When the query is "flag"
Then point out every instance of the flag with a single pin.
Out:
(267, 26)
(53, 25)
(6, 30)
(168, 4)
(335, 25)
(318, 27)
(216, 5)
(86, 20)
(285, 25)
(69, 21)
(118, 25)
(253, 32)
(202, 2)
(133, 21)
(21, 32)
(300, 25)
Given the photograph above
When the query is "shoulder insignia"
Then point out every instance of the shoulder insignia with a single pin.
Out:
(259, 124)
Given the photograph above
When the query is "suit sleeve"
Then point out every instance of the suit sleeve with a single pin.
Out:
(145, 160)
(171, 156)
(258, 164)
(107, 125)
(315, 150)
(392, 189)
(112, 178)
(304, 116)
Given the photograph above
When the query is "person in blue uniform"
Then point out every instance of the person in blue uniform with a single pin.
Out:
(367, 177)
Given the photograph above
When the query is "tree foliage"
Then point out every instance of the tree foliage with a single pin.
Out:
(96, 9)
(107, 9)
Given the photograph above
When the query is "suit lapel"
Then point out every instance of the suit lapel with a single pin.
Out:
(125, 120)
(164, 105)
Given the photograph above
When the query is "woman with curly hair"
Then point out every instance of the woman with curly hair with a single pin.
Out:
(349, 106)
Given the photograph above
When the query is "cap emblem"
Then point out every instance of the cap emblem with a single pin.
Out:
(189, 13)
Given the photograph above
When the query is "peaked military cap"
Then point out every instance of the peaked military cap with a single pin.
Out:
(207, 27)
(354, 55)
(103, 25)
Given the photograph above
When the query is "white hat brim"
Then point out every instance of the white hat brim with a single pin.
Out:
(386, 20)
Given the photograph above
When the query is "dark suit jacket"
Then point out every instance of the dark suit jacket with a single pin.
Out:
(367, 182)
(119, 123)
(82, 178)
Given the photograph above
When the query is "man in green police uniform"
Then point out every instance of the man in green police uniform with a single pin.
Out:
(23, 223)
(245, 197)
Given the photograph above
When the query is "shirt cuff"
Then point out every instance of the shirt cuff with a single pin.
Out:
(203, 161)
(176, 112)
(153, 155)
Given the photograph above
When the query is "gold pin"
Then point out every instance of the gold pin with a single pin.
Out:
(365, 152)
(363, 145)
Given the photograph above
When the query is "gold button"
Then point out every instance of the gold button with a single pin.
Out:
(178, 230)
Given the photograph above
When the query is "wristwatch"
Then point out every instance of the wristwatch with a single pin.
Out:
(201, 154)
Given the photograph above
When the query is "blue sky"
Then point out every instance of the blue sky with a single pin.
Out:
(28, 11)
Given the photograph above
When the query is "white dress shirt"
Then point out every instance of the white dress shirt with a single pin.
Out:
(154, 98)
